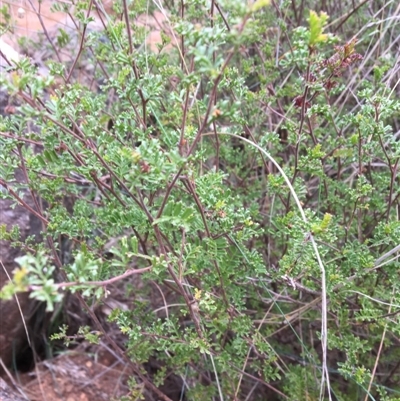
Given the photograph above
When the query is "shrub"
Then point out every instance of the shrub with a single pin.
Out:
(247, 170)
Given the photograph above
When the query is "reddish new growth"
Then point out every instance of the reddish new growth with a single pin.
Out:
(344, 57)
(298, 102)
(144, 167)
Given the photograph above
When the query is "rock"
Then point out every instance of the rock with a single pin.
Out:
(9, 52)
(16, 314)
(7, 394)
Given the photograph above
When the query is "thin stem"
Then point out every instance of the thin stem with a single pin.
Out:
(128, 273)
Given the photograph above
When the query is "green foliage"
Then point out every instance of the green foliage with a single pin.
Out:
(84, 332)
(258, 4)
(317, 23)
(170, 164)
(37, 276)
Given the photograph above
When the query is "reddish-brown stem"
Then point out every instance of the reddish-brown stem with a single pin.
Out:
(128, 273)
(80, 44)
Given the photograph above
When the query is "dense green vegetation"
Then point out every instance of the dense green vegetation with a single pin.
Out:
(248, 170)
